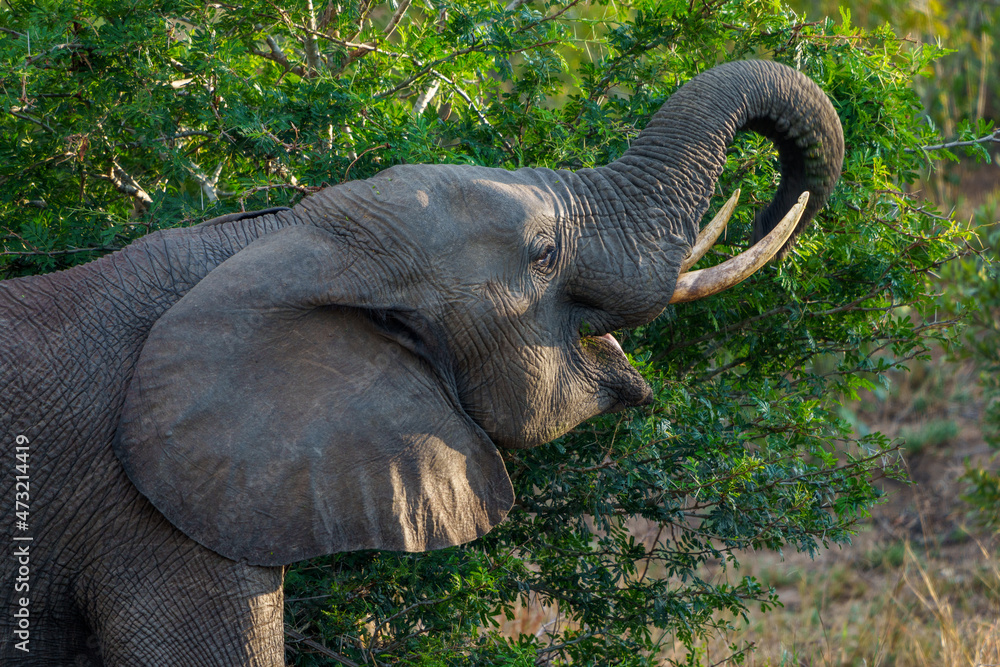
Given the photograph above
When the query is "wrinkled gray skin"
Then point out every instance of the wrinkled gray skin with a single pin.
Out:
(211, 403)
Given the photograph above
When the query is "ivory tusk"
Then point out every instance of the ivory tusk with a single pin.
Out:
(711, 233)
(706, 282)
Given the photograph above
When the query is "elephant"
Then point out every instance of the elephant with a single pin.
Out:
(197, 410)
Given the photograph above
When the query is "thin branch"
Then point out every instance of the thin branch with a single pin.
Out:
(544, 19)
(340, 42)
(55, 253)
(722, 369)
(427, 68)
(472, 105)
(127, 185)
(367, 150)
(319, 648)
(278, 56)
(394, 21)
(987, 139)
(276, 186)
(402, 612)
(559, 647)
(179, 135)
(24, 116)
(71, 46)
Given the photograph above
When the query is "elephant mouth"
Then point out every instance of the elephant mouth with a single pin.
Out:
(621, 385)
(612, 341)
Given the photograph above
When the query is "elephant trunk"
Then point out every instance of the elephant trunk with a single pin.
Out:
(666, 178)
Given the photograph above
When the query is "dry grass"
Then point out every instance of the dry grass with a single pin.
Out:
(873, 610)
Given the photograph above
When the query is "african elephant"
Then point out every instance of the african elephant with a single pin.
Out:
(211, 403)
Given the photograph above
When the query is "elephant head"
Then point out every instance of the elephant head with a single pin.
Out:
(343, 381)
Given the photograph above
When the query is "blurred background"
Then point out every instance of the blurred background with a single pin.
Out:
(921, 585)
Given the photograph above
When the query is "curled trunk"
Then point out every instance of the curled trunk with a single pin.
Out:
(667, 177)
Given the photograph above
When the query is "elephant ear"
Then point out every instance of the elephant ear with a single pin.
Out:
(278, 413)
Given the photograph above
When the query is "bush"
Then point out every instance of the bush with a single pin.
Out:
(126, 117)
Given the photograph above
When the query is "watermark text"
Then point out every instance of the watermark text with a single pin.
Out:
(22, 543)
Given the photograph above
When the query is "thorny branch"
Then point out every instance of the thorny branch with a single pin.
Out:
(993, 138)
(367, 150)
(23, 116)
(472, 105)
(127, 185)
(300, 638)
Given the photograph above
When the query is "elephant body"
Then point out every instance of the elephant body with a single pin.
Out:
(51, 331)
(212, 403)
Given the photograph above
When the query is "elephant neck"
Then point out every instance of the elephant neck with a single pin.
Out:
(119, 295)
(153, 273)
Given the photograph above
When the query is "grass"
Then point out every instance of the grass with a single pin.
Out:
(919, 612)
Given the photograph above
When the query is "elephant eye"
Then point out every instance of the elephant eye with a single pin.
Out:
(547, 259)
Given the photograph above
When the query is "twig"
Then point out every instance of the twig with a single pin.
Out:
(24, 116)
(305, 190)
(319, 648)
(544, 19)
(729, 659)
(722, 369)
(72, 46)
(367, 150)
(994, 137)
(559, 647)
(403, 611)
(472, 105)
(127, 185)
(54, 253)
(179, 135)
(394, 21)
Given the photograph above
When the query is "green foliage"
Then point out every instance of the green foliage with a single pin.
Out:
(125, 117)
(959, 90)
(973, 290)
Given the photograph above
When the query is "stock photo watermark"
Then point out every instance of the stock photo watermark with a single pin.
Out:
(21, 543)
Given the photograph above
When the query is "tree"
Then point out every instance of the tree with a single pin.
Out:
(125, 117)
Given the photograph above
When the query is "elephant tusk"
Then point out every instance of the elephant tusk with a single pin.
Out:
(706, 282)
(712, 231)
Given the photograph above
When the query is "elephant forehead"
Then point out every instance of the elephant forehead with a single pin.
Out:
(479, 197)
